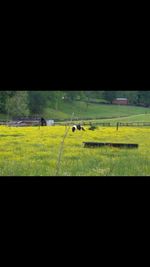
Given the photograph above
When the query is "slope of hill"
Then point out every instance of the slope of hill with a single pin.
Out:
(82, 110)
(93, 111)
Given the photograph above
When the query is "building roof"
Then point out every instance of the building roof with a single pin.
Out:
(121, 98)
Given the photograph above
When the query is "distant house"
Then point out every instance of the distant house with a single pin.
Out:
(120, 101)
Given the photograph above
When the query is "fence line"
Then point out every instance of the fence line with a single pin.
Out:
(109, 124)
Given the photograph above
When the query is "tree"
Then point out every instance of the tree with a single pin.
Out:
(4, 95)
(109, 95)
(88, 96)
(38, 101)
(2, 101)
(17, 105)
(57, 98)
(71, 95)
(144, 98)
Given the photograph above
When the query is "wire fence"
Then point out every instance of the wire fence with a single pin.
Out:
(109, 124)
(32, 122)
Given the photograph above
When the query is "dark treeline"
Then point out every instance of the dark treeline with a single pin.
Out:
(33, 102)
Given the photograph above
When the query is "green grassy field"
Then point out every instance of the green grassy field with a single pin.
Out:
(81, 110)
(93, 111)
(31, 151)
(34, 151)
(128, 119)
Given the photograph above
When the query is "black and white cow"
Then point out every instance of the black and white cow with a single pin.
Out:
(77, 127)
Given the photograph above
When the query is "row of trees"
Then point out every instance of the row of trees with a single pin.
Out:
(33, 102)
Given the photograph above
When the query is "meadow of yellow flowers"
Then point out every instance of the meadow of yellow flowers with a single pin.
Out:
(34, 151)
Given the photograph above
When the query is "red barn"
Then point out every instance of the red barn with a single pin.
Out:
(120, 101)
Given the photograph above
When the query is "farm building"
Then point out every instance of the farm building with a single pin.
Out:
(120, 101)
(50, 122)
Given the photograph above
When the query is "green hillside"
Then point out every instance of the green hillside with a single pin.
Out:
(93, 111)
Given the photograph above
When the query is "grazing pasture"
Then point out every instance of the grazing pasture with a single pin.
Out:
(30, 151)
(93, 111)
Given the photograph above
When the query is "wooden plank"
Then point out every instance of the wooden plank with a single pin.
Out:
(119, 145)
